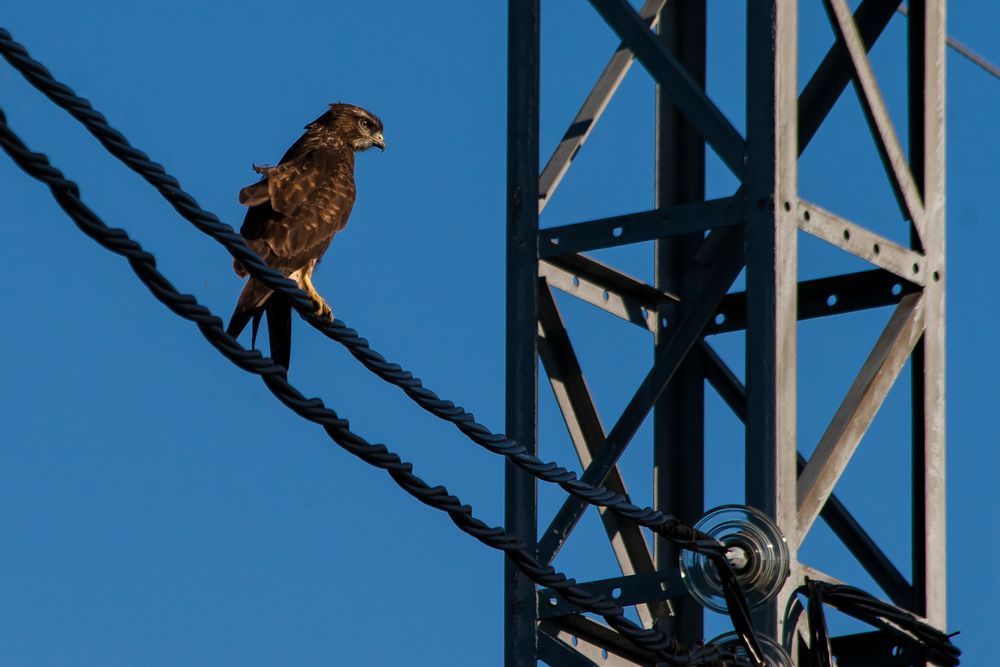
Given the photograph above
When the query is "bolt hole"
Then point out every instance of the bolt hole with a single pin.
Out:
(916, 268)
(897, 289)
(606, 296)
(720, 318)
(788, 207)
(847, 235)
(553, 602)
(574, 640)
(554, 240)
(806, 216)
(831, 300)
(616, 232)
(576, 281)
(936, 276)
(663, 322)
(645, 313)
(616, 593)
(604, 654)
(876, 249)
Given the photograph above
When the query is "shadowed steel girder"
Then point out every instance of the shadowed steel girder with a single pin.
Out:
(685, 93)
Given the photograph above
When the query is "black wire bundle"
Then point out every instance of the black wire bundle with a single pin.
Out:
(143, 264)
(168, 186)
(932, 644)
(819, 636)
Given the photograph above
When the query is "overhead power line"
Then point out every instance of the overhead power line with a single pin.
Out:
(275, 378)
(965, 51)
(143, 264)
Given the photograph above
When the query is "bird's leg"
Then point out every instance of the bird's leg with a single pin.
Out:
(322, 309)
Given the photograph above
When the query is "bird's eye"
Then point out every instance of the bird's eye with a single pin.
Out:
(365, 124)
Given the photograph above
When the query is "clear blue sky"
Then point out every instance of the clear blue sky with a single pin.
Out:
(158, 506)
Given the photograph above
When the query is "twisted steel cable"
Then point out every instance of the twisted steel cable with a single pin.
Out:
(169, 187)
(143, 264)
(933, 644)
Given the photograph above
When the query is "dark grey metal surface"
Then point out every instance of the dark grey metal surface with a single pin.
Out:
(679, 220)
(757, 228)
(679, 413)
(606, 646)
(590, 112)
(685, 92)
(521, 493)
(770, 182)
(633, 589)
(821, 297)
(584, 425)
(724, 254)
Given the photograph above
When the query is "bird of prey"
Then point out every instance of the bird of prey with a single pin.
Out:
(294, 212)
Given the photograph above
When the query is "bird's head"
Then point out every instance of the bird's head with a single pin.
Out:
(349, 125)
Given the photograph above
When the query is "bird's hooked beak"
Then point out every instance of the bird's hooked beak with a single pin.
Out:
(378, 140)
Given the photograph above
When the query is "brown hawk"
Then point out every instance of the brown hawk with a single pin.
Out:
(295, 210)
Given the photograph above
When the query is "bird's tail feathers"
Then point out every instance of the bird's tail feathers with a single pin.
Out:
(279, 329)
(256, 300)
(249, 306)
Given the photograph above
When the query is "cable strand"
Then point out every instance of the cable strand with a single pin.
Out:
(67, 195)
(169, 187)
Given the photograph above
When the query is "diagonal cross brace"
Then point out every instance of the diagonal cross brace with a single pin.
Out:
(591, 111)
(889, 147)
(843, 524)
(856, 411)
(584, 425)
(725, 253)
(684, 91)
(834, 73)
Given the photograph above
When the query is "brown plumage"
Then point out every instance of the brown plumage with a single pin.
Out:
(295, 211)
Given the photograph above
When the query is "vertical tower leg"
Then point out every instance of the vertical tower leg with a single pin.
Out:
(678, 426)
(926, 29)
(770, 195)
(520, 504)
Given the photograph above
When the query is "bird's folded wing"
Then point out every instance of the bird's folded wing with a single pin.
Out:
(287, 185)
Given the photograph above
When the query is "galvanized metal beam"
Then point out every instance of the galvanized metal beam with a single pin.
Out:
(680, 220)
(821, 297)
(557, 653)
(684, 91)
(858, 408)
(927, 37)
(768, 211)
(585, 120)
(610, 290)
(636, 589)
(587, 433)
(771, 190)
(596, 641)
(728, 262)
(521, 489)
(877, 114)
(860, 242)
(679, 413)
(834, 73)
(834, 513)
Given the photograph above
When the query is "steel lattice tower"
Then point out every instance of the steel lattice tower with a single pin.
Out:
(700, 247)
